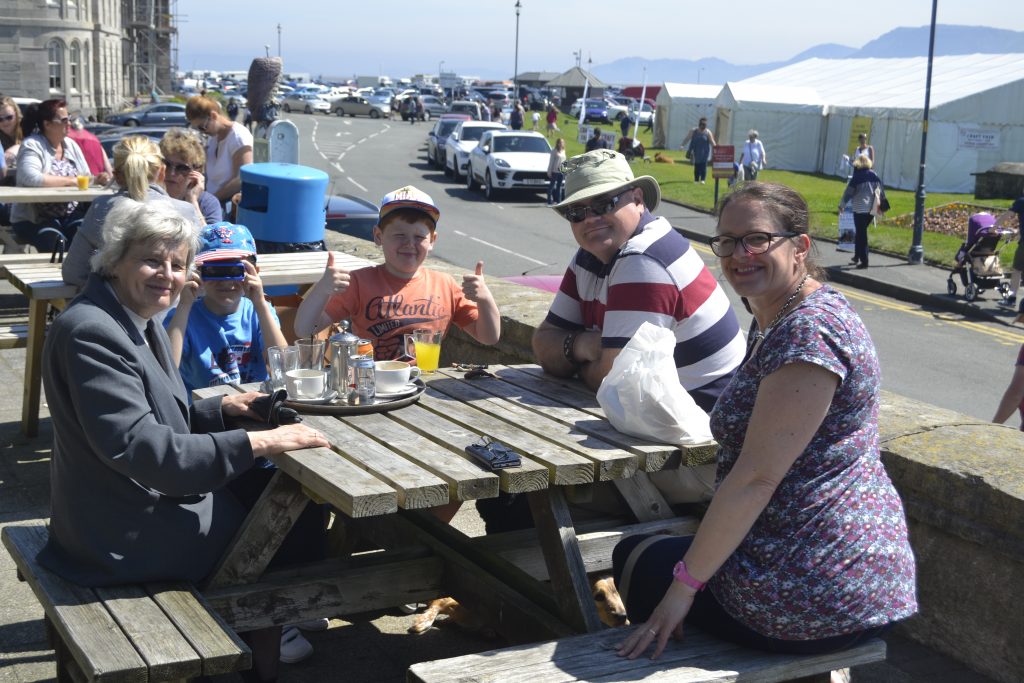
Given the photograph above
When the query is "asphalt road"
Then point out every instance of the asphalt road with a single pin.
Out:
(942, 359)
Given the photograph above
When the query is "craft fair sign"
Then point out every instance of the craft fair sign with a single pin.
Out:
(972, 137)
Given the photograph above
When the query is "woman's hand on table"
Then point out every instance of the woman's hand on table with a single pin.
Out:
(240, 405)
(103, 178)
(665, 621)
(286, 438)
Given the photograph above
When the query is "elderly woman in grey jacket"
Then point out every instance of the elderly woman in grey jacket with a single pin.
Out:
(48, 158)
(860, 197)
(139, 479)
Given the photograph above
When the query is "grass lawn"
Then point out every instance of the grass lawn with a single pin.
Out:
(821, 192)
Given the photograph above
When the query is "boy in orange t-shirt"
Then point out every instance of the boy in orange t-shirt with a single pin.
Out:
(388, 301)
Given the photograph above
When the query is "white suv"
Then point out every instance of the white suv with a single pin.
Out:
(461, 142)
(506, 160)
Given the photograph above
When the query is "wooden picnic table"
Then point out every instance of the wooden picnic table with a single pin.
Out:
(40, 281)
(35, 195)
(384, 472)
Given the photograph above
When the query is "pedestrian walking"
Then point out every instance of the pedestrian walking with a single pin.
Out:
(864, 195)
(698, 143)
(754, 158)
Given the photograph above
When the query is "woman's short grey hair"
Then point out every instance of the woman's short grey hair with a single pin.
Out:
(131, 223)
(751, 132)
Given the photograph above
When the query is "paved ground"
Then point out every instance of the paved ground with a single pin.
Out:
(375, 647)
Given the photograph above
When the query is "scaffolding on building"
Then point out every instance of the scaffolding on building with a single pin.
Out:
(150, 45)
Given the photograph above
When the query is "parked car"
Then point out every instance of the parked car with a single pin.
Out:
(110, 137)
(461, 142)
(506, 160)
(351, 215)
(354, 105)
(437, 135)
(432, 107)
(617, 108)
(308, 103)
(645, 114)
(468, 107)
(163, 114)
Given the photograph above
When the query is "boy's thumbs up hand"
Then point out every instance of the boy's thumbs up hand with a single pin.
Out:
(336, 279)
(473, 286)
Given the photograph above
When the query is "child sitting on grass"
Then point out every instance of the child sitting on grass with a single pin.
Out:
(387, 301)
(221, 337)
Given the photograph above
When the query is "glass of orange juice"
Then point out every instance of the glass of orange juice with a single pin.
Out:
(428, 349)
(82, 181)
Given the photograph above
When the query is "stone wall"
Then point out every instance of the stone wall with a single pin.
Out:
(961, 479)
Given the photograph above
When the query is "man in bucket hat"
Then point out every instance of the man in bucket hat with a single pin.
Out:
(631, 268)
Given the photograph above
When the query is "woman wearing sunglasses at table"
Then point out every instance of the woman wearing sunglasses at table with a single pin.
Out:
(48, 158)
(184, 161)
(804, 546)
(10, 129)
(228, 146)
(139, 171)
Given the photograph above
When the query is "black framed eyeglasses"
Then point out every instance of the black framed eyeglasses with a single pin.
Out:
(63, 121)
(180, 169)
(5, 119)
(598, 207)
(753, 242)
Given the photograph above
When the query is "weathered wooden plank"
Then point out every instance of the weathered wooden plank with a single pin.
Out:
(531, 476)
(261, 534)
(521, 549)
(557, 538)
(569, 402)
(416, 487)
(466, 481)
(90, 634)
(643, 498)
(329, 588)
(493, 397)
(564, 467)
(166, 652)
(219, 647)
(699, 658)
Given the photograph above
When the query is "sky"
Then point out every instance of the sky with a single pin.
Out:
(478, 37)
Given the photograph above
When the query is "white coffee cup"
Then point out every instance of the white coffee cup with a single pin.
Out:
(306, 383)
(393, 375)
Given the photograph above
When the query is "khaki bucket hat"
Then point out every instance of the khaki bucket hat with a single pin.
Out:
(603, 172)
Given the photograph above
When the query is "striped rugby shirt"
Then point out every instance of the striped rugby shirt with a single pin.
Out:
(656, 277)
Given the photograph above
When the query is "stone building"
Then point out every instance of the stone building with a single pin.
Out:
(96, 54)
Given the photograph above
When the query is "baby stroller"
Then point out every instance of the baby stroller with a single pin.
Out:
(977, 260)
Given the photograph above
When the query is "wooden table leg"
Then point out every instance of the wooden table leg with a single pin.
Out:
(557, 537)
(33, 367)
(261, 534)
(643, 498)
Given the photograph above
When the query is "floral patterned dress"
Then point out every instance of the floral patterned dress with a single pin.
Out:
(829, 555)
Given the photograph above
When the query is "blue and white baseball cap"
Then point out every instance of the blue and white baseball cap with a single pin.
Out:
(225, 241)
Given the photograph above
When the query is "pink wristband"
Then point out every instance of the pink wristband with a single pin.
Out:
(681, 575)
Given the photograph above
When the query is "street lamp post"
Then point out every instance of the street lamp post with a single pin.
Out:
(267, 48)
(515, 75)
(279, 40)
(439, 83)
(916, 254)
(698, 74)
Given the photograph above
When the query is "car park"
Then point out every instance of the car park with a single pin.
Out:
(162, 114)
(355, 105)
(645, 114)
(437, 135)
(308, 103)
(461, 142)
(506, 160)
(472, 109)
(616, 110)
(432, 106)
(351, 215)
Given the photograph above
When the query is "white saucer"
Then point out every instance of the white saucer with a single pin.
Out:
(410, 388)
(315, 401)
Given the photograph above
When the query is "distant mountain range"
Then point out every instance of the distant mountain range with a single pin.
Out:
(900, 42)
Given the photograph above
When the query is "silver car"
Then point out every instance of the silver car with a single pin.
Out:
(305, 102)
(354, 105)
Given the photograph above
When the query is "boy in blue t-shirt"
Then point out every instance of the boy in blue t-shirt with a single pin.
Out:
(220, 337)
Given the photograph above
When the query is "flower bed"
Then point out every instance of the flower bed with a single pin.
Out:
(951, 219)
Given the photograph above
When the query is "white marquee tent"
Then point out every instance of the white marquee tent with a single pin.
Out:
(976, 115)
(678, 107)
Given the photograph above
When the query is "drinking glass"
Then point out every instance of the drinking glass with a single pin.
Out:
(311, 353)
(428, 349)
(281, 359)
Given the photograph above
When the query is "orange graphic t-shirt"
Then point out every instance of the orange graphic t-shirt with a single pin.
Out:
(383, 307)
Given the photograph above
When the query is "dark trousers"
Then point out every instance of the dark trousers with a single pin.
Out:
(555, 188)
(861, 221)
(45, 234)
(652, 576)
(700, 170)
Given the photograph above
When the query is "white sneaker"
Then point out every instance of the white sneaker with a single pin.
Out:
(294, 646)
(314, 624)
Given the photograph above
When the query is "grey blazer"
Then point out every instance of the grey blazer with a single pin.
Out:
(137, 477)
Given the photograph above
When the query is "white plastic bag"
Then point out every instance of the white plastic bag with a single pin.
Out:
(641, 394)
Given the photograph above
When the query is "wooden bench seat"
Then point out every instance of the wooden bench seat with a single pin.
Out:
(592, 657)
(699, 657)
(13, 336)
(140, 632)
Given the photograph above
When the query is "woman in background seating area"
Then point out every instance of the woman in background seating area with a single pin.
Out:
(184, 161)
(48, 158)
(228, 146)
